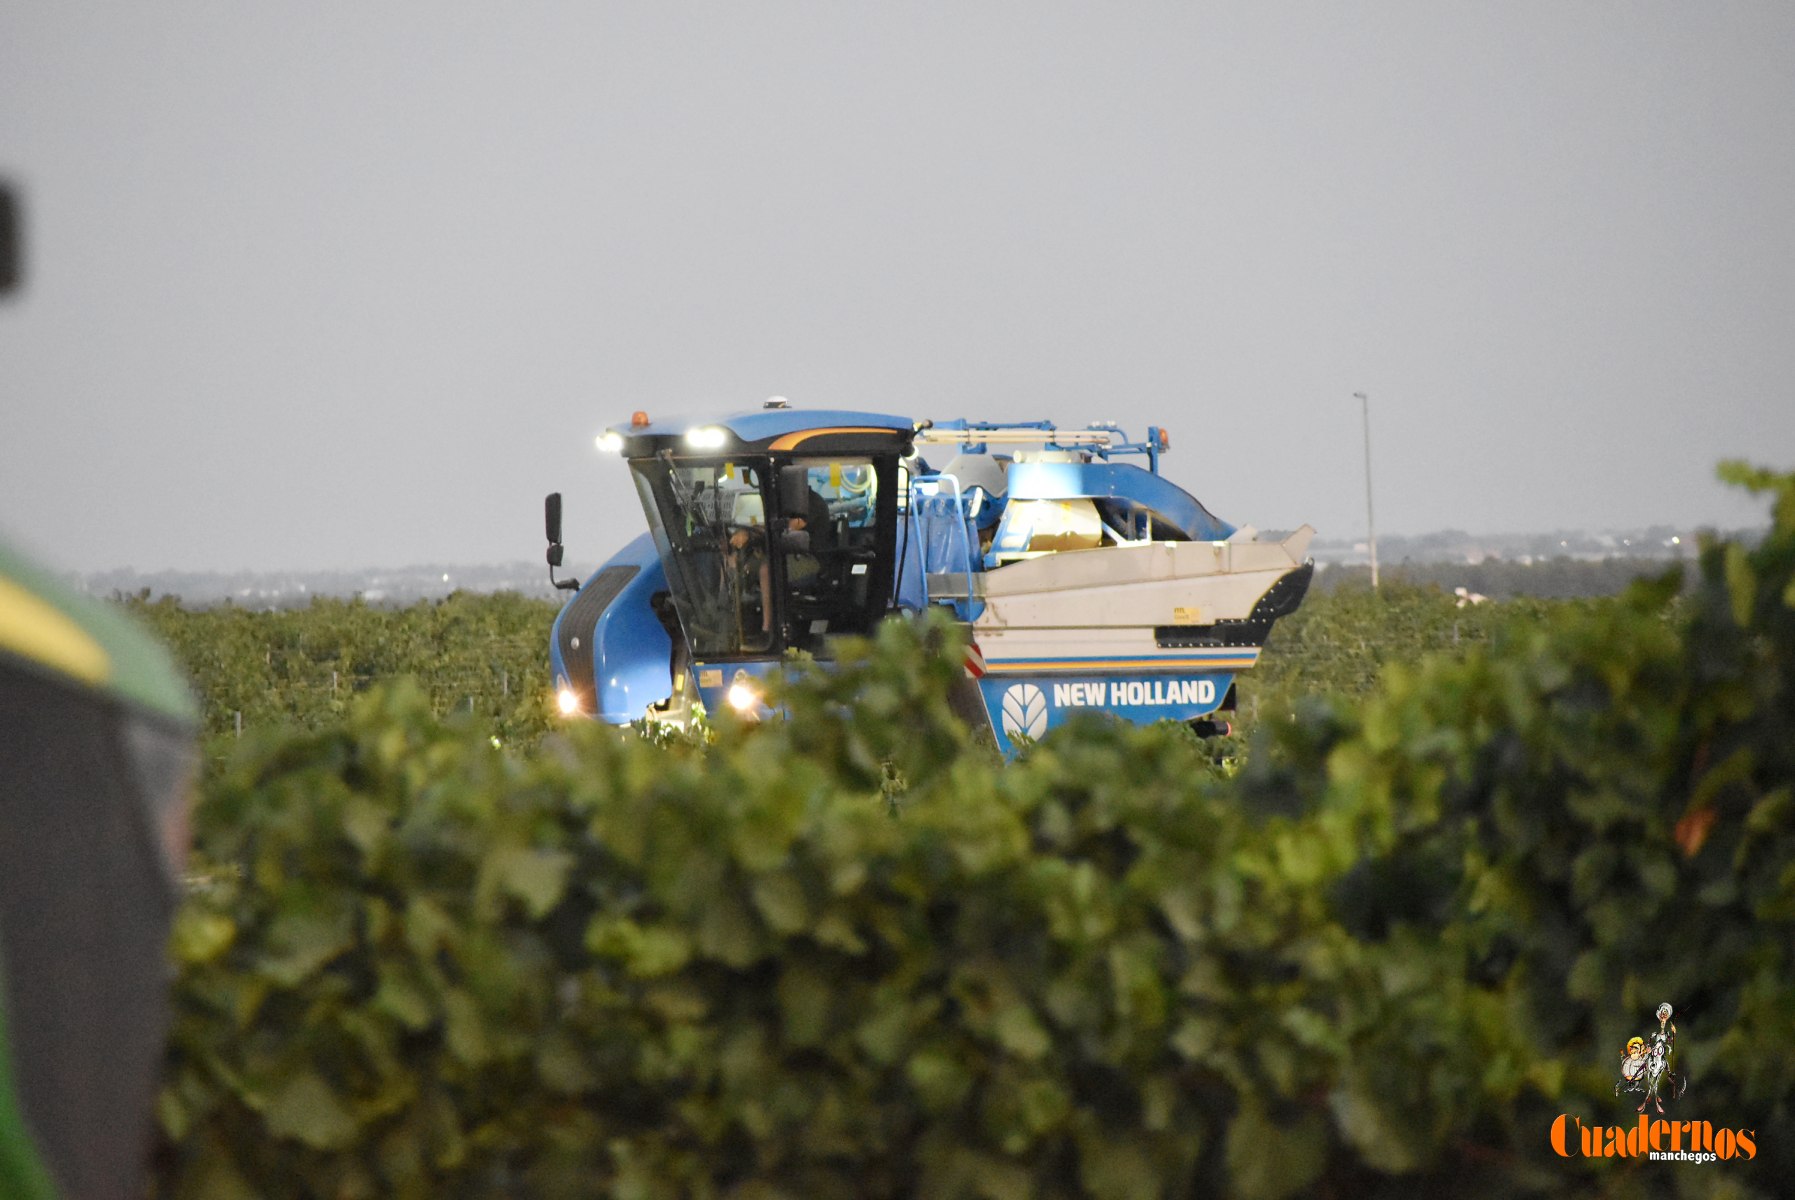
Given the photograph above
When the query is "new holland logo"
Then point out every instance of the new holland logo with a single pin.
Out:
(1024, 711)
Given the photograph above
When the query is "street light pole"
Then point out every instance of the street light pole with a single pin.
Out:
(1370, 528)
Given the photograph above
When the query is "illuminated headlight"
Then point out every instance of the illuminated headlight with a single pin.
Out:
(707, 437)
(567, 701)
(742, 697)
(610, 442)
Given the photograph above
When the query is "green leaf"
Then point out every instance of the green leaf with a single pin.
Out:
(1043, 1105)
(1183, 907)
(658, 950)
(1116, 1166)
(1267, 1160)
(465, 1029)
(726, 932)
(562, 1066)
(835, 931)
(997, 1179)
(199, 936)
(403, 998)
(302, 941)
(938, 1077)
(366, 824)
(780, 900)
(806, 999)
(1019, 1031)
(216, 1177)
(428, 928)
(537, 878)
(1382, 1135)
(306, 1110)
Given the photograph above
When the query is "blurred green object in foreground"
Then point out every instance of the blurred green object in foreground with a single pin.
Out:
(95, 779)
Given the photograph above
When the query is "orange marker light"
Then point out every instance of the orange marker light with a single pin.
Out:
(1165, 439)
(638, 419)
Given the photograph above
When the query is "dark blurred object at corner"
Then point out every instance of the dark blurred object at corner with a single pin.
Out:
(12, 238)
(97, 759)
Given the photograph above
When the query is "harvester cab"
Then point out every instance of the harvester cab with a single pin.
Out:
(1084, 578)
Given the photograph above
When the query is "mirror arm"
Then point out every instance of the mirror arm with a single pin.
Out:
(554, 560)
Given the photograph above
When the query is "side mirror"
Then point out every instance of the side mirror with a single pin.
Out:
(551, 512)
(794, 491)
(551, 520)
(12, 238)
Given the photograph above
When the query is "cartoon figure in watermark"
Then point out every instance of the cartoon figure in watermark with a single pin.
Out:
(1647, 1065)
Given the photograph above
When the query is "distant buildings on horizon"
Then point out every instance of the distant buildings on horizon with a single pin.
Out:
(406, 585)
(1456, 546)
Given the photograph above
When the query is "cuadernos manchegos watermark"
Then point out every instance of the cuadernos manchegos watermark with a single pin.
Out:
(1648, 1071)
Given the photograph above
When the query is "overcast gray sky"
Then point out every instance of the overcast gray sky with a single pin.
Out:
(340, 284)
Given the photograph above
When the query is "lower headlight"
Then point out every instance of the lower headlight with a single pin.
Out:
(567, 701)
(742, 697)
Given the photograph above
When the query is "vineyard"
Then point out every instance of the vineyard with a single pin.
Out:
(486, 655)
(1382, 944)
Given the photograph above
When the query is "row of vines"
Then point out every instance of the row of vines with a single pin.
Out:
(487, 655)
(1383, 952)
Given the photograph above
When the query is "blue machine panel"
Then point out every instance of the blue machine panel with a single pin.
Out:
(1031, 707)
(617, 658)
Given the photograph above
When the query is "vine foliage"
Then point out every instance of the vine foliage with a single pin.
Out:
(852, 954)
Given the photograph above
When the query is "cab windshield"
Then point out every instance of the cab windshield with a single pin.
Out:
(709, 524)
(750, 580)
